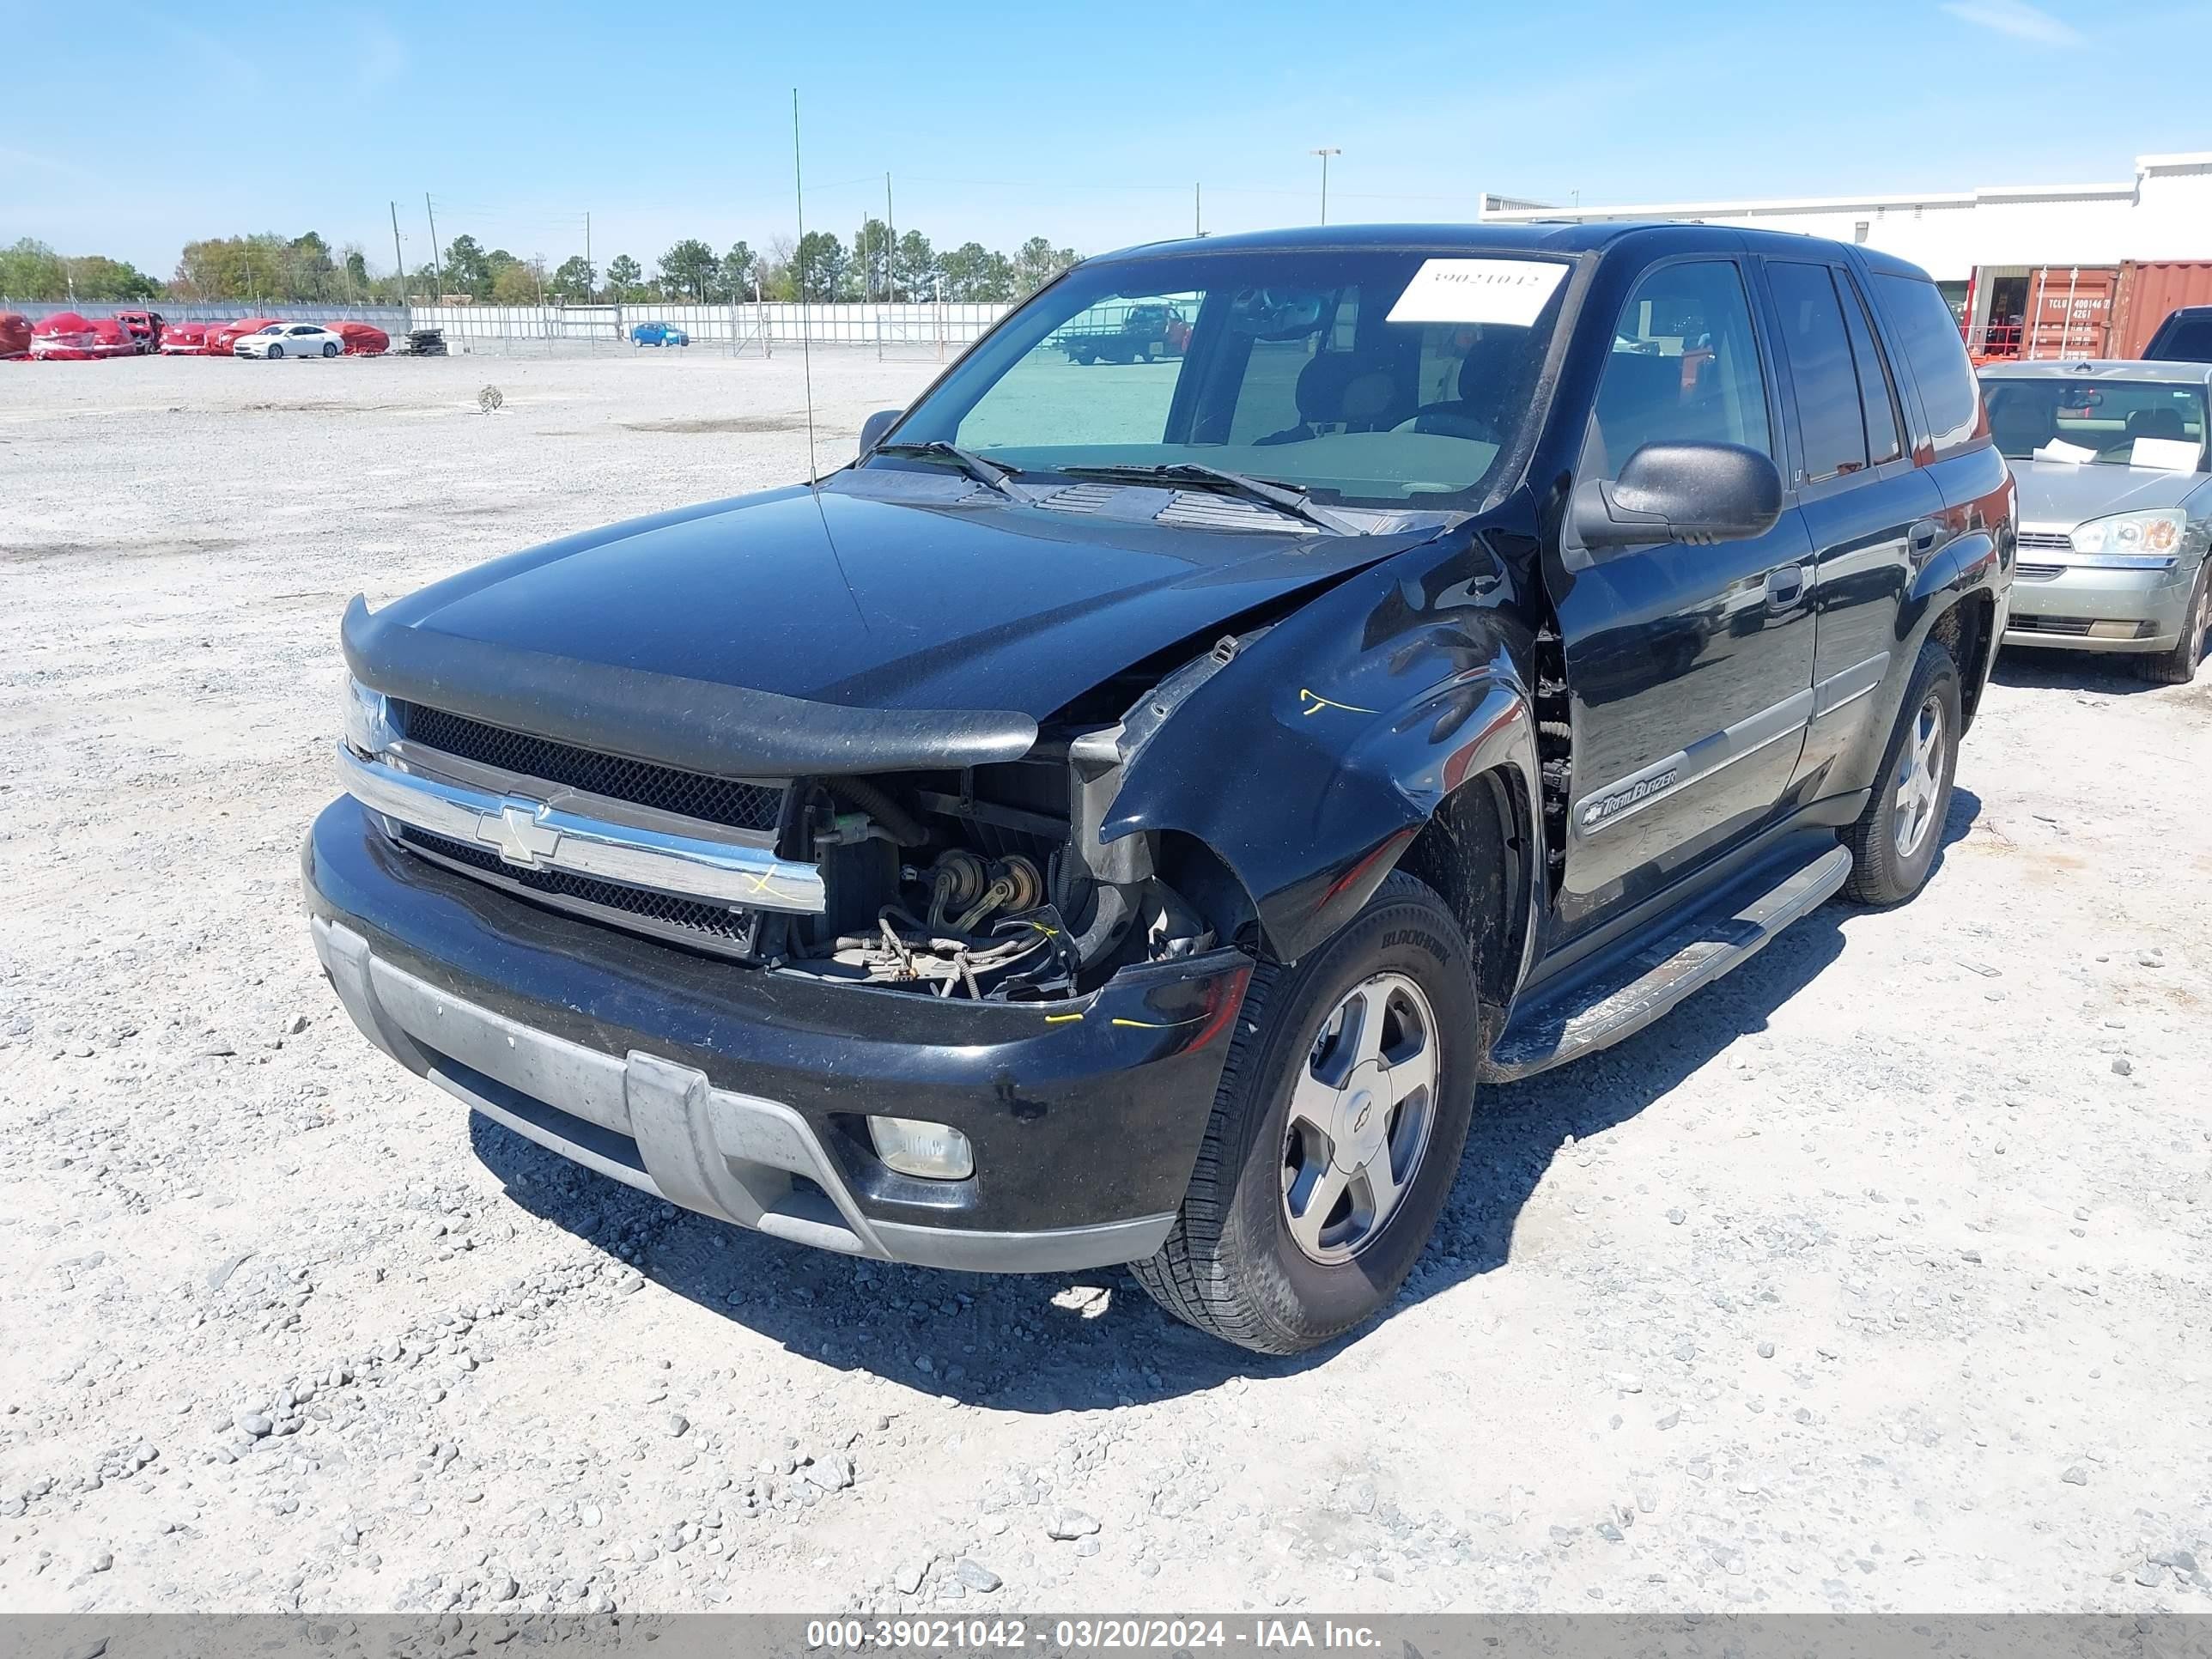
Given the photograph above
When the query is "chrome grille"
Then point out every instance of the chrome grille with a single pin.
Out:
(732, 801)
(2044, 541)
(2037, 573)
(2075, 627)
(730, 933)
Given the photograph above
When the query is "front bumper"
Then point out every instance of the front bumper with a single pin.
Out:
(2084, 607)
(743, 1094)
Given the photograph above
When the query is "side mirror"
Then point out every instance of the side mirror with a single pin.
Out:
(1697, 493)
(873, 429)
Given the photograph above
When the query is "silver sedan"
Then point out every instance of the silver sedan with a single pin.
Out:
(2115, 478)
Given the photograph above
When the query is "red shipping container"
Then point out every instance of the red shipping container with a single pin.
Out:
(2069, 311)
(2150, 291)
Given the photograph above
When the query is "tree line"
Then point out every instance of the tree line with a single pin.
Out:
(820, 267)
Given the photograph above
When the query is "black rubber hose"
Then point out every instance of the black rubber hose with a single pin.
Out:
(878, 806)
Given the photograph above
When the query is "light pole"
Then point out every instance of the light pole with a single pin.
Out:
(1325, 155)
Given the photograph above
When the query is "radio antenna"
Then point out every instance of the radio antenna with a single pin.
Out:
(805, 356)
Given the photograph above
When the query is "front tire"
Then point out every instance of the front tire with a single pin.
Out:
(1894, 842)
(2178, 666)
(1335, 1134)
(275, 352)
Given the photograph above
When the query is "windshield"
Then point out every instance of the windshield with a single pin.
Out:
(2099, 421)
(1377, 379)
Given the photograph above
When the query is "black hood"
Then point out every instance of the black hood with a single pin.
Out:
(915, 596)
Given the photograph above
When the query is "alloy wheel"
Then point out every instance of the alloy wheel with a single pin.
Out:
(1360, 1113)
(1919, 778)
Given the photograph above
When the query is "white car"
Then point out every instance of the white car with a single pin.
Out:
(290, 340)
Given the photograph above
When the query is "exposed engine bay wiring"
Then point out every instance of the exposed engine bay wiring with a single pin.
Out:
(985, 929)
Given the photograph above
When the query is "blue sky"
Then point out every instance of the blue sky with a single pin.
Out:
(1000, 122)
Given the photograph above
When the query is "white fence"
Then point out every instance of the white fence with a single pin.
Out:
(906, 330)
(932, 331)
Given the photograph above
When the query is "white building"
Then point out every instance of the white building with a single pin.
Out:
(2004, 231)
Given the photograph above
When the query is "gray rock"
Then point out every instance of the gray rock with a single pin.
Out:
(1766, 1351)
(1071, 1523)
(976, 1576)
(2180, 1560)
(832, 1472)
(909, 1576)
(219, 1275)
(2151, 1576)
(2076, 1476)
(2123, 1066)
(1086, 1546)
(253, 1423)
(1670, 1419)
(677, 1423)
(1611, 1534)
(503, 1589)
(1676, 1217)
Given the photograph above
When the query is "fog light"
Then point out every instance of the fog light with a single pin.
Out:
(916, 1146)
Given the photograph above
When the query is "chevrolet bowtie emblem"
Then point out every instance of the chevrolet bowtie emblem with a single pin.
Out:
(520, 838)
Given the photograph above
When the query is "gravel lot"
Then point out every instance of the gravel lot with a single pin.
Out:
(1874, 1279)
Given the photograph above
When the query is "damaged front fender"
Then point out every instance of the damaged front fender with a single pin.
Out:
(1307, 757)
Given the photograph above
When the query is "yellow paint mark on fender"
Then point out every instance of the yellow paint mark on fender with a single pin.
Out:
(1321, 702)
(1061, 1019)
(1155, 1026)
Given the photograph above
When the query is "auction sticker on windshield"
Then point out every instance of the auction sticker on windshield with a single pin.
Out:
(1478, 291)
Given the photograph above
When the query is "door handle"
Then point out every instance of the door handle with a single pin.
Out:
(1785, 586)
(1925, 535)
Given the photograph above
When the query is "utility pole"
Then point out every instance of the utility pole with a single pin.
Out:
(591, 271)
(890, 243)
(437, 270)
(399, 260)
(1325, 155)
(1197, 210)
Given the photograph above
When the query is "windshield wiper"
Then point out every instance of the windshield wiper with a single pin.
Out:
(1267, 492)
(983, 470)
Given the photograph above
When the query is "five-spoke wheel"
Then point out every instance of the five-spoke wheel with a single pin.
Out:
(1360, 1117)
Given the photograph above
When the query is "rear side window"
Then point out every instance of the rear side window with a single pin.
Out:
(2184, 338)
(1922, 328)
(1877, 396)
(1828, 416)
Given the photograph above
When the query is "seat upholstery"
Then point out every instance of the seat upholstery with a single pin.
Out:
(2158, 424)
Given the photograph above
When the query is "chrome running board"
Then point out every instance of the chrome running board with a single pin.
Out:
(1593, 1013)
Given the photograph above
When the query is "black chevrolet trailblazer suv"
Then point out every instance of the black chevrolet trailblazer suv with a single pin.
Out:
(1133, 819)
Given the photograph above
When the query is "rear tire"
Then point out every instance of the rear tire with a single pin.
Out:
(1894, 842)
(329, 348)
(2178, 666)
(1276, 1249)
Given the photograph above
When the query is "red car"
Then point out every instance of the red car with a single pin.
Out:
(363, 339)
(221, 336)
(143, 326)
(66, 335)
(15, 334)
(187, 340)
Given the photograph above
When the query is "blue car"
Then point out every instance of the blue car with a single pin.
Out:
(659, 334)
